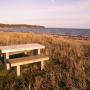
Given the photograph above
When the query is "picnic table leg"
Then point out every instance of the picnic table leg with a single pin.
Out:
(42, 62)
(38, 51)
(8, 66)
(6, 57)
(42, 65)
(18, 70)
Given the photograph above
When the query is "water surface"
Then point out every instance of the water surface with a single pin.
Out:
(57, 31)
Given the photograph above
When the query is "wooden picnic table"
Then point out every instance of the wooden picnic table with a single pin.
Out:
(6, 50)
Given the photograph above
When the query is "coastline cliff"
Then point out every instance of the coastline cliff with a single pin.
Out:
(13, 26)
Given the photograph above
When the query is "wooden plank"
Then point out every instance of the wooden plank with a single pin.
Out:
(18, 70)
(38, 51)
(26, 60)
(6, 58)
(19, 52)
(42, 65)
(21, 47)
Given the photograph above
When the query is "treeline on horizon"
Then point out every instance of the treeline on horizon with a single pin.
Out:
(20, 26)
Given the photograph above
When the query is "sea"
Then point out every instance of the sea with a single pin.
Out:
(55, 31)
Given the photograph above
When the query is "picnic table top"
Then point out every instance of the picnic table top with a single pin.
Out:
(20, 47)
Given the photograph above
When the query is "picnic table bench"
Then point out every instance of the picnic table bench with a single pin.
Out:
(17, 62)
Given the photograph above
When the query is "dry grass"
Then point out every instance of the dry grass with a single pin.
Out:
(68, 68)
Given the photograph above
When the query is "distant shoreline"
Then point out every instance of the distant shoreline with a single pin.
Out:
(15, 26)
(73, 37)
(78, 37)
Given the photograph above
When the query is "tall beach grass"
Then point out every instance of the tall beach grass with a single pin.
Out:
(67, 69)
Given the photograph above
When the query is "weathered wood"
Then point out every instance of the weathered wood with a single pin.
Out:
(7, 66)
(18, 70)
(22, 47)
(42, 65)
(13, 53)
(27, 60)
(38, 51)
(6, 58)
(19, 49)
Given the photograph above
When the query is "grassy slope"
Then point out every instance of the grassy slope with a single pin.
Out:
(68, 68)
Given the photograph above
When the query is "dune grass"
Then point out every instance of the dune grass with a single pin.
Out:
(68, 68)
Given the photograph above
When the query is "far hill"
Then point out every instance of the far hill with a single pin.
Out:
(11, 26)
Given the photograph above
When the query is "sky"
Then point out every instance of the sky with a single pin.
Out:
(49, 13)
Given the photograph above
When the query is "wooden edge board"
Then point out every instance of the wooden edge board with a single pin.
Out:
(15, 48)
(27, 60)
